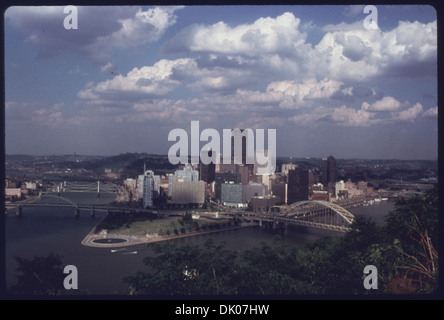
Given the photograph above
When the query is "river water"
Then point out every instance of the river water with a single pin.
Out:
(42, 230)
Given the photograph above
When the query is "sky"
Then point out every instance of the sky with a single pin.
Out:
(127, 76)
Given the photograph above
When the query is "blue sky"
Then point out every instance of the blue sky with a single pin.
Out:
(129, 75)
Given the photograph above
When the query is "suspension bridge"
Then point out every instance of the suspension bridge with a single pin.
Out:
(85, 187)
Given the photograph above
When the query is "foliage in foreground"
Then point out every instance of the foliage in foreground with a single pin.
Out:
(404, 251)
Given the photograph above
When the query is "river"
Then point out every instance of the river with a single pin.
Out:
(42, 230)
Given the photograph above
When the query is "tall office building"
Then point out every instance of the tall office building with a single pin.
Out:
(148, 189)
(297, 189)
(232, 194)
(207, 171)
(221, 178)
(329, 174)
(279, 189)
(243, 140)
(244, 171)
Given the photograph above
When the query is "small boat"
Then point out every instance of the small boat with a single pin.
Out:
(117, 250)
(132, 252)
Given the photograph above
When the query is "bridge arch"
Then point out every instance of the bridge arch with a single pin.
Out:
(318, 214)
(59, 197)
(344, 213)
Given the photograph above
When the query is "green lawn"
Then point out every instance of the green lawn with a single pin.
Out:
(160, 226)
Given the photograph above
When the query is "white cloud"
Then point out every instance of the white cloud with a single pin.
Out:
(153, 80)
(142, 28)
(432, 112)
(350, 52)
(409, 114)
(265, 35)
(306, 90)
(385, 104)
(350, 117)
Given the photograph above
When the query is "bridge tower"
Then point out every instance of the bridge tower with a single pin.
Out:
(98, 189)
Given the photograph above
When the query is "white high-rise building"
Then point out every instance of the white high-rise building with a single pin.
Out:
(148, 189)
(140, 182)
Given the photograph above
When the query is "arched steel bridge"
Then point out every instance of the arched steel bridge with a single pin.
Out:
(314, 213)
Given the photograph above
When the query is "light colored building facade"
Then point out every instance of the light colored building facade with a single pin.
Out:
(187, 174)
(185, 192)
(287, 167)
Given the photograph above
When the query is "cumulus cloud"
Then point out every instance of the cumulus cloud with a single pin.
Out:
(140, 83)
(347, 52)
(350, 52)
(431, 113)
(265, 35)
(409, 114)
(385, 104)
(310, 89)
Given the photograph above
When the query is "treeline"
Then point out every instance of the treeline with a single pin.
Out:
(404, 251)
(116, 220)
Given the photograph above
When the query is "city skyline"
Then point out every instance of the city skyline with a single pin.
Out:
(129, 75)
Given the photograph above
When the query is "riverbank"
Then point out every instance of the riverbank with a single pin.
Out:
(106, 240)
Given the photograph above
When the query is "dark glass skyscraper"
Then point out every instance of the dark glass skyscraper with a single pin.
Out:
(298, 183)
(329, 172)
(207, 171)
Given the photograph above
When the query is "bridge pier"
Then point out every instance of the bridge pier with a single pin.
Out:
(77, 212)
(18, 211)
(93, 212)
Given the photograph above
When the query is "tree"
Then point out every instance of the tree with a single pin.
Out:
(269, 270)
(39, 276)
(185, 270)
(414, 225)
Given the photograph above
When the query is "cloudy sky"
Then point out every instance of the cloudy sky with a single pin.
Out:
(127, 76)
